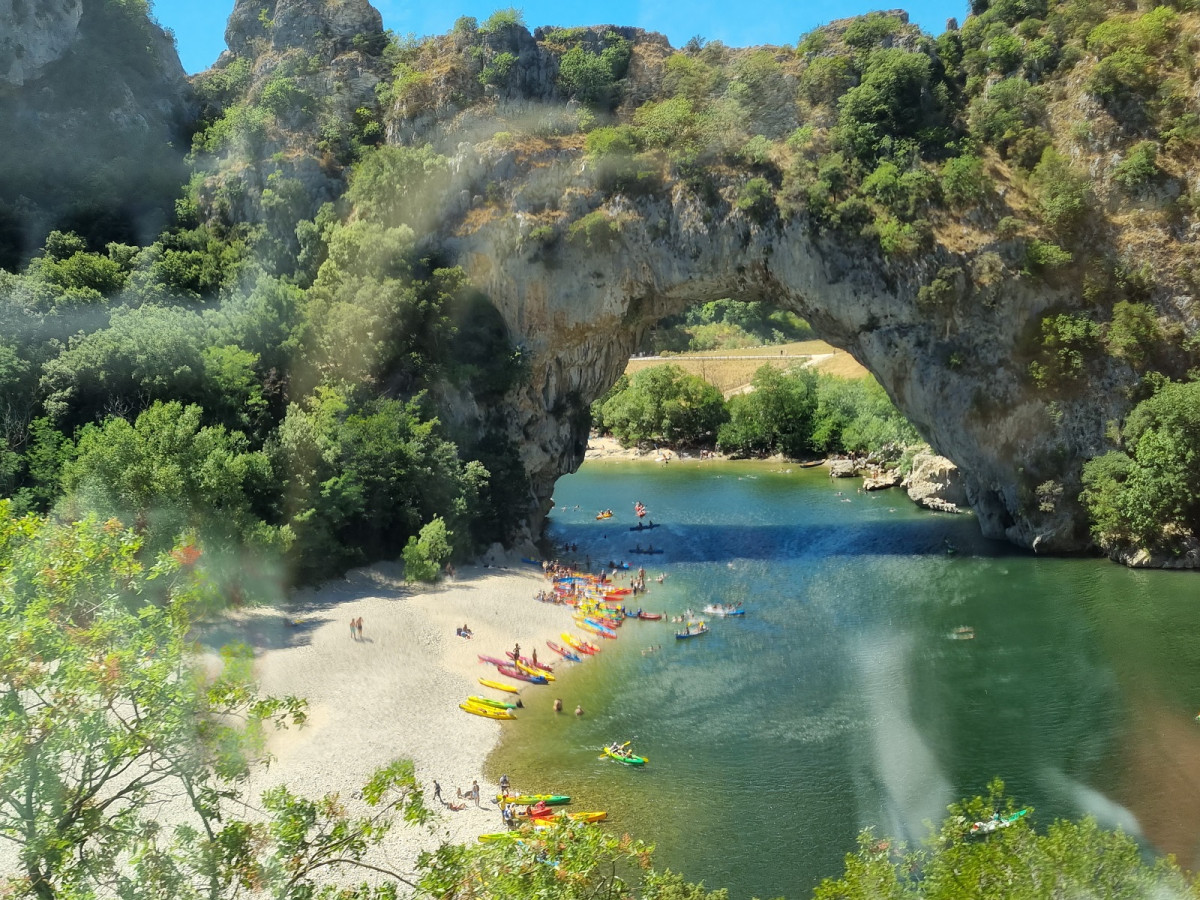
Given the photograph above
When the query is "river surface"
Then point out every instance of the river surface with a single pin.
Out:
(848, 697)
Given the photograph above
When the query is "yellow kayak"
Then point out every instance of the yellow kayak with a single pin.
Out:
(597, 816)
(507, 688)
(530, 670)
(488, 712)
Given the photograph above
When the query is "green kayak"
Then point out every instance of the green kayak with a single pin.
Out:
(629, 760)
(530, 799)
(488, 701)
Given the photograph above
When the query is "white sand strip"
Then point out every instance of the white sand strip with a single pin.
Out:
(396, 693)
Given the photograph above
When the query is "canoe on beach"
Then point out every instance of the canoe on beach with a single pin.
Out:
(488, 712)
(563, 652)
(488, 701)
(500, 686)
(514, 672)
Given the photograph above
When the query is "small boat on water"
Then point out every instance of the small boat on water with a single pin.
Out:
(488, 712)
(594, 816)
(527, 799)
(576, 644)
(499, 685)
(691, 632)
(625, 756)
(605, 514)
(642, 526)
(649, 551)
(649, 617)
(563, 652)
(719, 609)
(995, 823)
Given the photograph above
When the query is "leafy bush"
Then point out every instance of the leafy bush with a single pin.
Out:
(1068, 343)
(1139, 167)
(1149, 495)
(597, 231)
(664, 403)
(1064, 193)
(497, 70)
(424, 554)
(501, 20)
(755, 198)
(1133, 333)
(964, 183)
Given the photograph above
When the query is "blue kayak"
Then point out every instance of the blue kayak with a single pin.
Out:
(682, 635)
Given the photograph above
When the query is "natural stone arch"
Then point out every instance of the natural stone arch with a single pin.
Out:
(578, 312)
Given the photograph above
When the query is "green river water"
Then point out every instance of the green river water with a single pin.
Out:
(844, 699)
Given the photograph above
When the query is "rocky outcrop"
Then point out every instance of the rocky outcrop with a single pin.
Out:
(578, 311)
(96, 111)
(314, 67)
(934, 482)
(33, 34)
(881, 479)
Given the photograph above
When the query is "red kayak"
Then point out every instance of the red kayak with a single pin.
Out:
(562, 651)
(650, 617)
(513, 672)
(493, 661)
(527, 661)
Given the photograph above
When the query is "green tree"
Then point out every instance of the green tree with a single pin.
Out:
(167, 474)
(106, 714)
(425, 553)
(664, 403)
(1149, 495)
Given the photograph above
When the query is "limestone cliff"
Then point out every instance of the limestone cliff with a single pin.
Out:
(95, 107)
(583, 258)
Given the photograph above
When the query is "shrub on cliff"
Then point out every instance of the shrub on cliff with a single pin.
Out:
(1148, 494)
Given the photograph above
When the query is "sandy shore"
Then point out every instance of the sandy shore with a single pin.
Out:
(600, 449)
(396, 693)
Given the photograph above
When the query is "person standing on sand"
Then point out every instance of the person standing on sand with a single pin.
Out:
(437, 793)
(358, 627)
(503, 784)
(354, 629)
(475, 792)
(516, 651)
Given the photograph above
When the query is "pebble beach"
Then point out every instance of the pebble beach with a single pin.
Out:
(395, 693)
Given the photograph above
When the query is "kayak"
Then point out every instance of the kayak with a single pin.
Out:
(724, 611)
(996, 822)
(498, 836)
(513, 672)
(528, 799)
(488, 701)
(507, 688)
(649, 617)
(493, 660)
(604, 515)
(519, 660)
(597, 627)
(488, 712)
(531, 671)
(576, 644)
(628, 760)
(564, 653)
(696, 632)
(594, 816)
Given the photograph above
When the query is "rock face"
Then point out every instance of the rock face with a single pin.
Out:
(579, 311)
(35, 33)
(935, 483)
(95, 106)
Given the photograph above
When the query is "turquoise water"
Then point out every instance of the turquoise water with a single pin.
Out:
(844, 699)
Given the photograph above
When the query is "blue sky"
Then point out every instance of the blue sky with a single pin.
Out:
(199, 25)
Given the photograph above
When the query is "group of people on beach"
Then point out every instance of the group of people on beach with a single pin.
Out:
(356, 627)
(472, 793)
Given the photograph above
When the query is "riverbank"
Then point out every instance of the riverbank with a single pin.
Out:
(395, 693)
